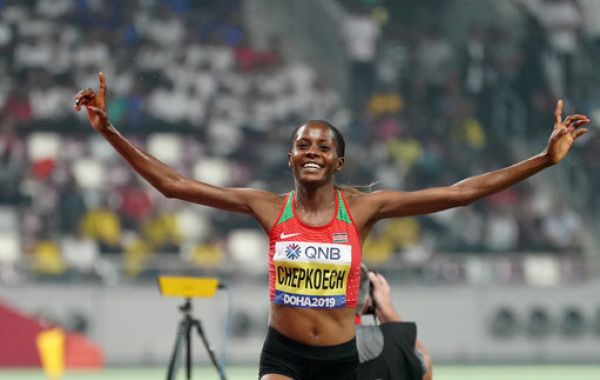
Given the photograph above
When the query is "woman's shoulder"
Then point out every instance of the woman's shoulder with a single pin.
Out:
(356, 194)
(265, 196)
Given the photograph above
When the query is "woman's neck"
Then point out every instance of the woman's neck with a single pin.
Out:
(315, 199)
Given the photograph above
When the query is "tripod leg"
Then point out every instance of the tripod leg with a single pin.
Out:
(188, 354)
(211, 353)
(182, 333)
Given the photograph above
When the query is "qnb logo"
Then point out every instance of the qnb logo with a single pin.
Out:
(329, 253)
(292, 251)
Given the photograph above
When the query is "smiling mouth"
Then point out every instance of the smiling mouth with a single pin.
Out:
(311, 166)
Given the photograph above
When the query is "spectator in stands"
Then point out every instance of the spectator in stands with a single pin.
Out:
(162, 232)
(591, 10)
(389, 350)
(378, 248)
(361, 33)
(563, 228)
(79, 252)
(531, 237)
(71, 206)
(12, 165)
(47, 257)
(135, 205)
(563, 22)
(17, 107)
(475, 58)
(208, 254)
(435, 62)
(502, 232)
(103, 225)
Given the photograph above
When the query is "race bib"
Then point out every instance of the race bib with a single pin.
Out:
(313, 275)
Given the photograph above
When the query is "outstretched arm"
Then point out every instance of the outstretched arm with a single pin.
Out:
(388, 203)
(167, 180)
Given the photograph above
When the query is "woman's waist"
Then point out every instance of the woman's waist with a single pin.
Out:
(315, 327)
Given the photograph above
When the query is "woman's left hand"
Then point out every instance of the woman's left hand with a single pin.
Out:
(564, 134)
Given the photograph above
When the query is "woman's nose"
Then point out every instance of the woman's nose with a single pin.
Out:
(313, 149)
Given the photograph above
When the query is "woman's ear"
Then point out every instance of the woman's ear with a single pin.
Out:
(340, 164)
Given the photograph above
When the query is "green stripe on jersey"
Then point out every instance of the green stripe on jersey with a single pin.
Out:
(342, 212)
(287, 212)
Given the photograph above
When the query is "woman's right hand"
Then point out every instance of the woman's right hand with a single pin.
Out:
(564, 134)
(95, 103)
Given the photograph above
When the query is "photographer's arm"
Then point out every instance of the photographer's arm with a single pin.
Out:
(423, 355)
(385, 312)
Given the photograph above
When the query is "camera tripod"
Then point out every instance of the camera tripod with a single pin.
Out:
(184, 333)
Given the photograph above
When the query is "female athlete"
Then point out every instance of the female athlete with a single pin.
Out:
(315, 232)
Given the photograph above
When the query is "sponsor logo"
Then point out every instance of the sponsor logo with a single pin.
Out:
(292, 251)
(285, 236)
(326, 253)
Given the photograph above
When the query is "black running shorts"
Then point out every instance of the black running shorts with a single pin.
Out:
(284, 356)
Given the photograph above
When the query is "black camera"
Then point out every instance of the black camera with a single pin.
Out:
(373, 306)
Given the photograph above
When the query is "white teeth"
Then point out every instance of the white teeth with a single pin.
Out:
(311, 165)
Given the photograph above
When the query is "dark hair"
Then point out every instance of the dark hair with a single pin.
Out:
(340, 143)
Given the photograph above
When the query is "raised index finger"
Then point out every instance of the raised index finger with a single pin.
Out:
(558, 114)
(102, 88)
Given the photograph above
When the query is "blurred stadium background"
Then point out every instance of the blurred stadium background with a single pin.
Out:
(427, 93)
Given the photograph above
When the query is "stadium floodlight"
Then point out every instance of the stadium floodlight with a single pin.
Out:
(189, 287)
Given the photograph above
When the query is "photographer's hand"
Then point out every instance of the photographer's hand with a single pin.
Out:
(385, 311)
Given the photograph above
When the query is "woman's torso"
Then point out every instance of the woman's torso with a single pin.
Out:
(314, 274)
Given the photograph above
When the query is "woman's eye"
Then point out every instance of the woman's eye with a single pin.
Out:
(324, 148)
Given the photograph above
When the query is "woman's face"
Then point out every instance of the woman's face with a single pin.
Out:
(313, 156)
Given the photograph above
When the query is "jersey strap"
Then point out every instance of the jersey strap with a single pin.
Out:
(342, 212)
(287, 213)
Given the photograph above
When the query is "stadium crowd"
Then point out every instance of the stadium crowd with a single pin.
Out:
(186, 84)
